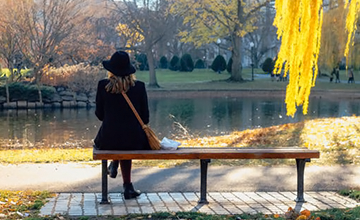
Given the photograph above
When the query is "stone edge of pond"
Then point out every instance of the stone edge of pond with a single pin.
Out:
(68, 100)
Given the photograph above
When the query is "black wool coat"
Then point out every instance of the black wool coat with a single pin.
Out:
(120, 129)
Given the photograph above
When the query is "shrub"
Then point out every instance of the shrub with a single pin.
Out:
(186, 63)
(174, 63)
(199, 64)
(219, 64)
(25, 91)
(46, 93)
(163, 62)
(78, 78)
(229, 65)
(141, 62)
(268, 65)
(342, 66)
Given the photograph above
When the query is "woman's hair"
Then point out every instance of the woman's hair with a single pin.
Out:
(119, 84)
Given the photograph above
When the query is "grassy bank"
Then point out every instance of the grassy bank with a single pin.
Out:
(208, 79)
(337, 139)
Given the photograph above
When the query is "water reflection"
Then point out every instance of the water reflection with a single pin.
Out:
(169, 117)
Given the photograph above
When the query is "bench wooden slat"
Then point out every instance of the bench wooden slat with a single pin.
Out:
(209, 153)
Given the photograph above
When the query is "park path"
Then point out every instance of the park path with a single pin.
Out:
(224, 203)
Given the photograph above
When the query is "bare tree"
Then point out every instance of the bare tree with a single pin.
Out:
(8, 40)
(43, 25)
(91, 39)
(152, 20)
(264, 36)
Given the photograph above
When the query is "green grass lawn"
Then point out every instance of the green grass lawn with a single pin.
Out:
(205, 79)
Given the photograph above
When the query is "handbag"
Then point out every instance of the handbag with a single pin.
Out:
(154, 141)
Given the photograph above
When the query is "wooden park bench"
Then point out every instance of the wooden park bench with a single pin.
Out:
(301, 155)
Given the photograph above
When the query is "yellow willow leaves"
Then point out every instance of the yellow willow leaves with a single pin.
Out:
(333, 37)
(351, 19)
(299, 27)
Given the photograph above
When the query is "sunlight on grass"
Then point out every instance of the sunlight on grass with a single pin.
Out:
(6, 72)
(338, 139)
(45, 155)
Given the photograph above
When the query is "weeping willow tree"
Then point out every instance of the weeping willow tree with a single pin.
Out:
(299, 24)
(351, 25)
(333, 36)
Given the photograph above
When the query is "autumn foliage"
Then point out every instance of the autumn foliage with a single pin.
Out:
(78, 78)
(305, 214)
(20, 204)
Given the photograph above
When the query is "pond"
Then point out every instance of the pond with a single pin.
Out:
(180, 117)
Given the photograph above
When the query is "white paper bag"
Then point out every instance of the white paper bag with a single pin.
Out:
(168, 144)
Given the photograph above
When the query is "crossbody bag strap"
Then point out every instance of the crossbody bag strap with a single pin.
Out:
(133, 109)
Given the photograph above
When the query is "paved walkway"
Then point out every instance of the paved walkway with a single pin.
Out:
(79, 204)
(86, 178)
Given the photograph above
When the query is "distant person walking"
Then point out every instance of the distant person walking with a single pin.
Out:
(332, 74)
(337, 74)
(351, 76)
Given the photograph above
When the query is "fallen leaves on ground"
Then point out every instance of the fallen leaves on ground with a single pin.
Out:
(18, 204)
(305, 214)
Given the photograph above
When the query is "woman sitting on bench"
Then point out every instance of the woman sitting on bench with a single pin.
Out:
(120, 129)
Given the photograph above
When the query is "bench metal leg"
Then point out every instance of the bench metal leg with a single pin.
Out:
(300, 166)
(203, 181)
(104, 183)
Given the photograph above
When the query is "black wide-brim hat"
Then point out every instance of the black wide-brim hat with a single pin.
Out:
(119, 64)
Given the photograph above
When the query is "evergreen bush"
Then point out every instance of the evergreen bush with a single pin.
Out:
(219, 64)
(163, 62)
(268, 65)
(141, 62)
(174, 63)
(186, 63)
(27, 92)
(199, 64)
(229, 65)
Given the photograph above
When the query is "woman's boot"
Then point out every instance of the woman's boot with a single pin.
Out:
(130, 192)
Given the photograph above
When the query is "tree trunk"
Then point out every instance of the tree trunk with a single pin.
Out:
(11, 69)
(40, 94)
(152, 74)
(236, 69)
(38, 84)
(7, 91)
